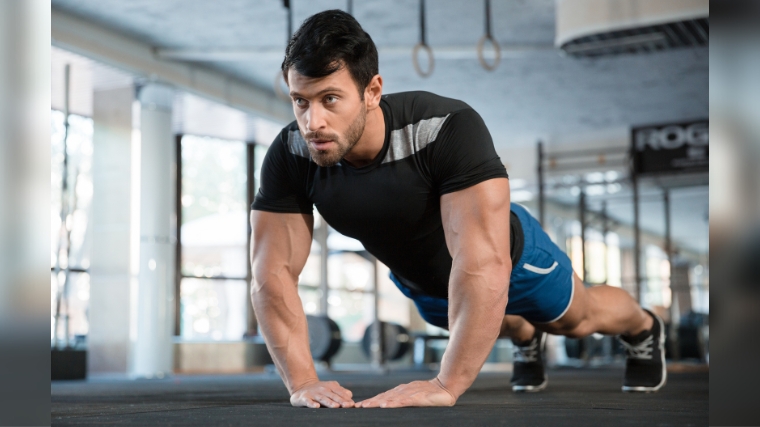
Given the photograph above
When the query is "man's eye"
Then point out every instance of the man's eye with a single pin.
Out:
(300, 102)
(330, 99)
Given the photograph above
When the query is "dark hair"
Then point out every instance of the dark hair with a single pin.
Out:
(328, 41)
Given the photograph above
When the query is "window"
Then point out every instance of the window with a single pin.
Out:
(73, 259)
(214, 238)
(215, 203)
(350, 297)
(656, 289)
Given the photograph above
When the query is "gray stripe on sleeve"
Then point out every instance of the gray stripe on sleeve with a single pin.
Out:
(297, 145)
(413, 138)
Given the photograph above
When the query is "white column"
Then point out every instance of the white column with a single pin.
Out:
(109, 307)
(155, 294)
(24, 211)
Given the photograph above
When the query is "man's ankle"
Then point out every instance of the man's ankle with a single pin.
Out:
(643, 329)
(523, 339)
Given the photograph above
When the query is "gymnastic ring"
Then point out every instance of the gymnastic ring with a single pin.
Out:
(497, 49)
(416, 63)
(278, 80)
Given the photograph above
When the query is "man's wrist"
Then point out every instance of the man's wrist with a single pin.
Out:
(437, 381)
(454, 388)
(298, 386)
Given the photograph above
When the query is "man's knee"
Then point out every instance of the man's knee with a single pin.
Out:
(577, 327)
(581, 330)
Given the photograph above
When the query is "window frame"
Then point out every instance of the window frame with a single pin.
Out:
(179, 275)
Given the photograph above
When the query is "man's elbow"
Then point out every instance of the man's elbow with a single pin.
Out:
(266, 285)
(486, 275)
(493, 266)
(502, 266)
(499, 275)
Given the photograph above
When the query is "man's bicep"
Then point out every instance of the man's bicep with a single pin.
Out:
(476, 222)
(280, 242)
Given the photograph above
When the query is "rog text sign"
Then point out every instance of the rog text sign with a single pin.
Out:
(675, 147)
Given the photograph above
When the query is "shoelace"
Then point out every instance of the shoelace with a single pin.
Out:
(642, 350)
(528, 353)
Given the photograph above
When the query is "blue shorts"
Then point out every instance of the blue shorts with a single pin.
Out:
(540, 287)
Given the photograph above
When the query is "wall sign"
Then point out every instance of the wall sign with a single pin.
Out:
(674, 147)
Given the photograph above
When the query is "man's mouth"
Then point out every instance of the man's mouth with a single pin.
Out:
(321, 144)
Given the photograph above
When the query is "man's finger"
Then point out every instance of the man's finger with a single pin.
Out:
(391, 404)
(341, 391)
(393, 400)
(366, 403)
(338, 398)
(369, 404)
(374, 402)
(326, 401)
(305, 402)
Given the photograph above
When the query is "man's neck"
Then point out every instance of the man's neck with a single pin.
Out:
(371, 142)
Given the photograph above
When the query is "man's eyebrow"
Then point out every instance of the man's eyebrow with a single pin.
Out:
(325, 90)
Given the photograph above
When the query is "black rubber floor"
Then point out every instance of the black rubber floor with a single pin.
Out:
(583, 397)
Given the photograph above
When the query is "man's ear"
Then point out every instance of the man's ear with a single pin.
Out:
(373, 92)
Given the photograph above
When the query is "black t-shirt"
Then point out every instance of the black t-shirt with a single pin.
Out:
(433, 146)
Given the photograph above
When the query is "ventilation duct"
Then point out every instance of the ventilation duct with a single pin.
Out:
(594, 28)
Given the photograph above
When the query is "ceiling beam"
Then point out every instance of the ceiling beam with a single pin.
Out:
(440, 52)
(94, 41)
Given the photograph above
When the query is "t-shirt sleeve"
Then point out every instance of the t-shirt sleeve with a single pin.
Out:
(463, 153)
(281, 188)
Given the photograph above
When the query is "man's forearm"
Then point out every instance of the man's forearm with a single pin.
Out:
(283, 324)
(477, 301)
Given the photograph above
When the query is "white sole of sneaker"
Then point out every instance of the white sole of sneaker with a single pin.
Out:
(534, 388)
(530, 388)
(629, 389)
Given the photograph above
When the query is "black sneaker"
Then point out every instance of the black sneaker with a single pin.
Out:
(528, 366)
(645, 366)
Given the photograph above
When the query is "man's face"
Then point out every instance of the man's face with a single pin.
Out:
(330, 113)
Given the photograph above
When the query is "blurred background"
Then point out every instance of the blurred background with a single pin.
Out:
(165, 111)
(157, 116)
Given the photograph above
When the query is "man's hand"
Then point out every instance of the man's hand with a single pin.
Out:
(328, 394)
(416, 393)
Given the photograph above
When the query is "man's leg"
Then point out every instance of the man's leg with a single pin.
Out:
(539, 290)
(528, 373)
(611, 311)
(604, 309)
(517, 328)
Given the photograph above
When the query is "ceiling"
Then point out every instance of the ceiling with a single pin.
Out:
(532, 94)
(535, 93)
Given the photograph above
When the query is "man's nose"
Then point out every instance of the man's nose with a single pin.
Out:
(315, 118)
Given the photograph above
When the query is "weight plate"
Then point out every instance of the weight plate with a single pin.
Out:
(396, 340)
(324, 337)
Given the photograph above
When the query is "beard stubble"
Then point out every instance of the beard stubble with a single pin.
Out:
(329, 158)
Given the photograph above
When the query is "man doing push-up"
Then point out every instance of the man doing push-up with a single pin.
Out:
(415, 178)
